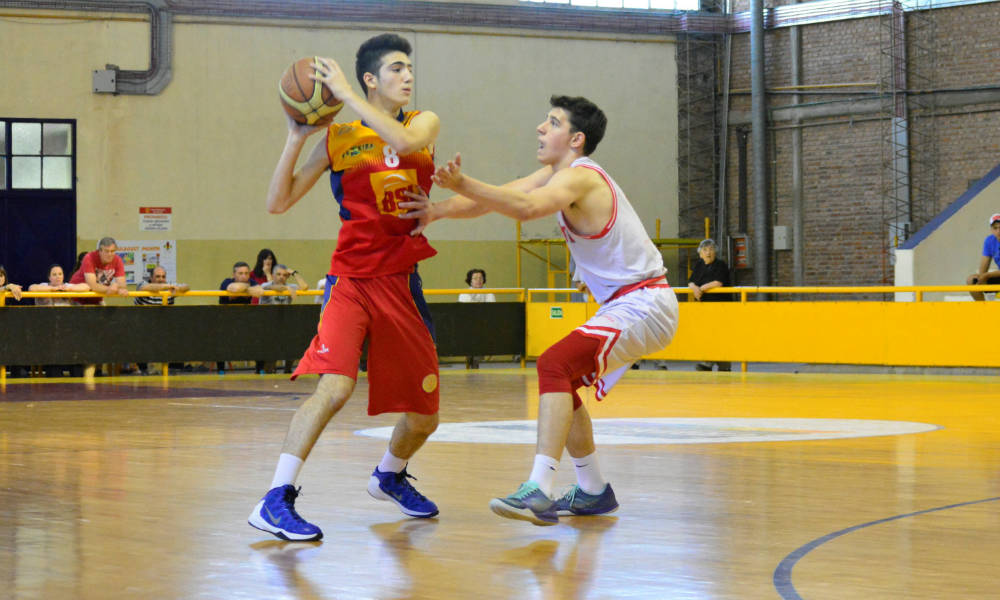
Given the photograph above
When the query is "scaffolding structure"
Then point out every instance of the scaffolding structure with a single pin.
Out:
(555, 254)
(698, 130)
(909, 175)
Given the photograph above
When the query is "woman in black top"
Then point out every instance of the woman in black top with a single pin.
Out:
(709, 272)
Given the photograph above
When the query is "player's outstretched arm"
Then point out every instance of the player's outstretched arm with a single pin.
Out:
(421, 132)
(540, 194)
(426, 212)
(288, 186)
(459, 207)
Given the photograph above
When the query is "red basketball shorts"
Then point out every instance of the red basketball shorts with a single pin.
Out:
(402, 360)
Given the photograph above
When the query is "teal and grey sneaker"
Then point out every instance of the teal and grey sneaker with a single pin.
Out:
(580, 503)
(528, 503)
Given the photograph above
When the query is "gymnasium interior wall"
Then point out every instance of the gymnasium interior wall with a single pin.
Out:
(845, 221)
(206, 145)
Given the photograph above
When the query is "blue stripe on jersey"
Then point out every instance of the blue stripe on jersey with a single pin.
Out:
(338, 193)
(417, 292)
(331, 280)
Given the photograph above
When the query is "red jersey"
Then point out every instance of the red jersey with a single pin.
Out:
(368, 179)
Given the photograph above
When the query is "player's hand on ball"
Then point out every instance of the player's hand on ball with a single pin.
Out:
(296, 128)
(449, 176)
(332, 76)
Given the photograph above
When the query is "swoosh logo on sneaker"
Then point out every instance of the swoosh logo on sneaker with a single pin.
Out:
(270, 516)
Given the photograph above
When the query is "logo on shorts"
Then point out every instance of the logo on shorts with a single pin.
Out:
(430, 383)
(322, 349)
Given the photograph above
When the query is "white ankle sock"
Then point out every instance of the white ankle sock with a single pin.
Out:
(391, 463)
(544, 473)
(287, 471)
(588, 474)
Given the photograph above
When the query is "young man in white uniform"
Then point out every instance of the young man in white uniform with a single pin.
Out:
(615, 260)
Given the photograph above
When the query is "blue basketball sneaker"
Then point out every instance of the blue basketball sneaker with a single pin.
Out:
(276, 514)
(395, 487)
(580, 503)
(528, 503)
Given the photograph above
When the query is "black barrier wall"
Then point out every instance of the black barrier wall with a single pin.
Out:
(31, 335)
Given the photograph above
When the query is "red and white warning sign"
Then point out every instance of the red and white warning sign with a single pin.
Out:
(154, 218)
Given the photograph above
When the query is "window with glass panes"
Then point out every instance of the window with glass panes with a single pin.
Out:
(36, 155)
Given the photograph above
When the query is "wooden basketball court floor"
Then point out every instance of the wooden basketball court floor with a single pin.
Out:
(140, 488)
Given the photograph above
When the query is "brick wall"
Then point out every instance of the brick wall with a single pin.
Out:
(845, 214)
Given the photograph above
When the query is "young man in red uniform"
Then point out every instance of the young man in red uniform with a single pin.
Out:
(373, 290)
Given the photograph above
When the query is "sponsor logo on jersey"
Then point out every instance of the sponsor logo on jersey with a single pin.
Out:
(357, 150)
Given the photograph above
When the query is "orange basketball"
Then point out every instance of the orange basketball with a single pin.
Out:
(307, 101)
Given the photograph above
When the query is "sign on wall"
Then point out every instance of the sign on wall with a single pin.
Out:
(140, 256)
(154, 218)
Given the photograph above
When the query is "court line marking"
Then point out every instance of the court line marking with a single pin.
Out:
(783, 573)
(675, 430)
(228, 406)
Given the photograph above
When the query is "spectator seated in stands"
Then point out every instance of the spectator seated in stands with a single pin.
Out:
(279, 283)
(103, 271)
(239, 283)
(57, 283)
(476, 279)
(991, 253)
(709, 272)
(262, 271)
(6, 286)
(158, 283)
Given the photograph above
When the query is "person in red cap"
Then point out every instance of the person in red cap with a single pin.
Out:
(991, 252)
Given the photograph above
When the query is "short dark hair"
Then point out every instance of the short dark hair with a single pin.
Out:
(54, 265)
(369, 57)
(238, 264)
(584, 116)
(468, 276)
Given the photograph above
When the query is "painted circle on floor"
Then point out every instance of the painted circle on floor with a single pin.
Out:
(721, 430)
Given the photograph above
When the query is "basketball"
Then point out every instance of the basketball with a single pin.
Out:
(307, 101)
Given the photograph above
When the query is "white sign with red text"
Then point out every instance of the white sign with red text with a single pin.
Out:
(154, 218)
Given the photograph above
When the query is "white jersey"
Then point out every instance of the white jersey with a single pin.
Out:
(620, 254)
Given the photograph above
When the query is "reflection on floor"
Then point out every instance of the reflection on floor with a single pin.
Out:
(140, 487)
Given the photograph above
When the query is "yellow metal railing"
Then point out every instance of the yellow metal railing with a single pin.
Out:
(164, 294)
(918, 332)
(519, 293)
(745, 292)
